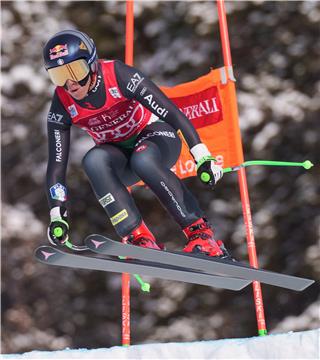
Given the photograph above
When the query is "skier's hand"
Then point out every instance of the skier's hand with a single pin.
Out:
(207, 169)
(58, 230)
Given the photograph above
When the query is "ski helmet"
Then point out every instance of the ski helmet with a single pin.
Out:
(70, 54)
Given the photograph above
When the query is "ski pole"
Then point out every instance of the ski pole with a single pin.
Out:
(306, 164)
(58, 232)
(144, 285)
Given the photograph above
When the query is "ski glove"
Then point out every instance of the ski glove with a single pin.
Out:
(207, 169)
(58, 230)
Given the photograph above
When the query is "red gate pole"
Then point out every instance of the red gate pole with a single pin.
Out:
(242, 179)
(126, 277)
(129, 32)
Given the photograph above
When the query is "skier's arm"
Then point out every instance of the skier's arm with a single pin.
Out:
(135, 85)
(58, 126)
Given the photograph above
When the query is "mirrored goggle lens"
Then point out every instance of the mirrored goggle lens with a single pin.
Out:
(76, 71)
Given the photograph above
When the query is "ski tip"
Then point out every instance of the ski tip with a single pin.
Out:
(43, 248)
(45, 253)
(94, 241)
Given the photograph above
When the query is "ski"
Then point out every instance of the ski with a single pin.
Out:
(53, 256)
(103, 245)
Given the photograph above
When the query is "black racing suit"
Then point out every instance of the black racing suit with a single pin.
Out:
(112, 166)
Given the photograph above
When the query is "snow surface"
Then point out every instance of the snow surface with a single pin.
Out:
(299, 345)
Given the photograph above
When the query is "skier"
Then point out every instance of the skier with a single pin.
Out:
(134, 127)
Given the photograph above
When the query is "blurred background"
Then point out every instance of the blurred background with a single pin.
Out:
(275, 48)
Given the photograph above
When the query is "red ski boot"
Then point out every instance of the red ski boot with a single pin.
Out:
(201, 240)
(142, 236)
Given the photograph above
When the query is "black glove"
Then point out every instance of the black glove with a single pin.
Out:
(58, 230)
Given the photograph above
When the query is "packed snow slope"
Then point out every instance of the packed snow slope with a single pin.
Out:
(299, 345)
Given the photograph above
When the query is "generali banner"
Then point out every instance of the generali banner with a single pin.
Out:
(211, 106)
(202, 108)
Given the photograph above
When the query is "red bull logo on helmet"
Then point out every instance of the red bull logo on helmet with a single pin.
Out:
(58, 51)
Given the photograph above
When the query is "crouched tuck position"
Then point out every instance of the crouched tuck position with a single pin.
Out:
(134, 127)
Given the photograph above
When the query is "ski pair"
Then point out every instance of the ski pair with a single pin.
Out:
(167, 265)
(56, 256)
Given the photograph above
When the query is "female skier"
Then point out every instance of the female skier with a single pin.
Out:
(134, 127)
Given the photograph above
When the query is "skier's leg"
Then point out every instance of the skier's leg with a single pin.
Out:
(156, 151)
(107, 169)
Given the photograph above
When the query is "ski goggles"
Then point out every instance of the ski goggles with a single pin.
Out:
(76, 71)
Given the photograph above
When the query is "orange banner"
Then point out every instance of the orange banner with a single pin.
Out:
(210, 104)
